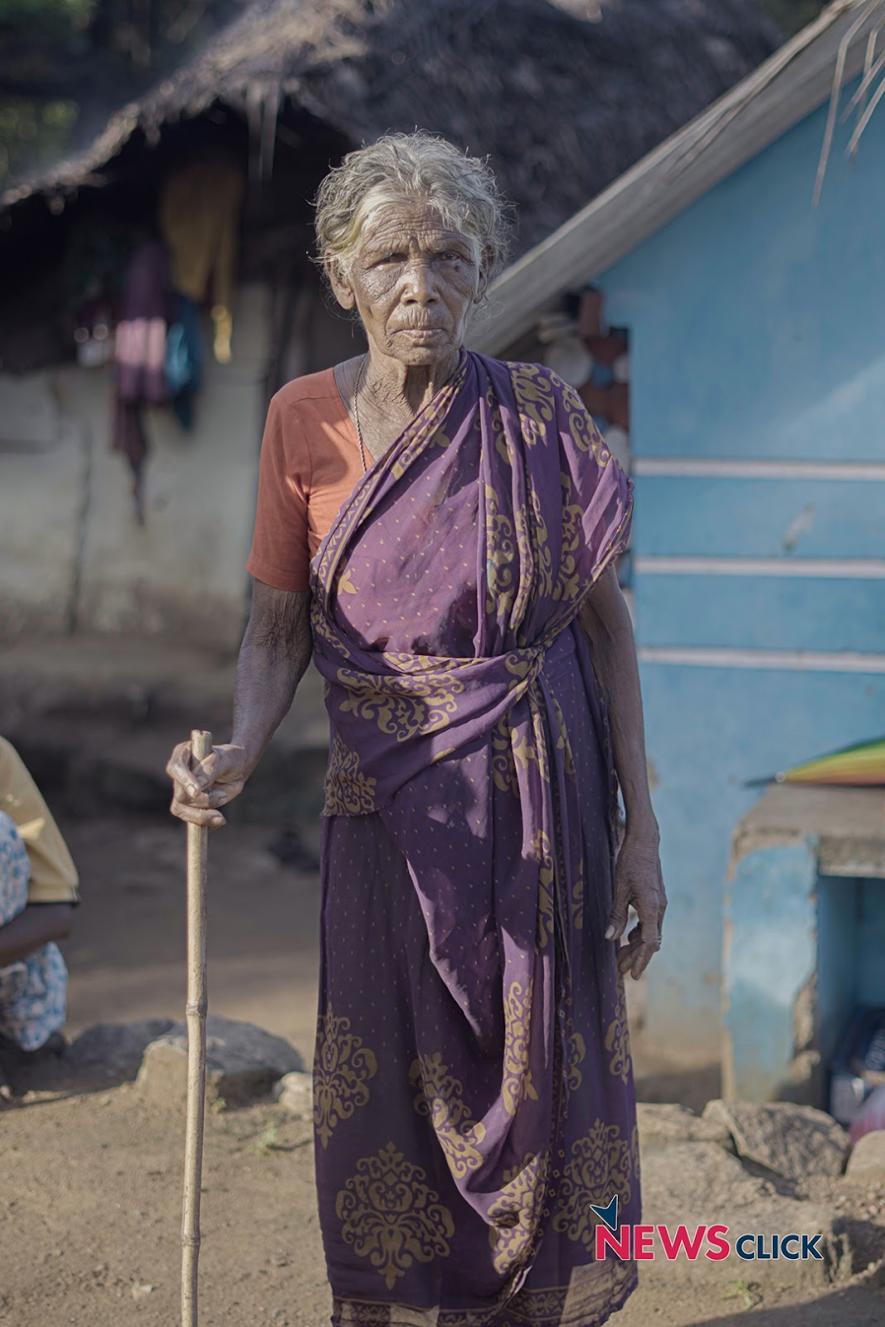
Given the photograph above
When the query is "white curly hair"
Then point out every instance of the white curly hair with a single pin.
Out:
(405, 167)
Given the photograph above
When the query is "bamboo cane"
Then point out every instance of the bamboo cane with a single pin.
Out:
(197, 845)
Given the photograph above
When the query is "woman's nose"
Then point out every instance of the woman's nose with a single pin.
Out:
(418, 284)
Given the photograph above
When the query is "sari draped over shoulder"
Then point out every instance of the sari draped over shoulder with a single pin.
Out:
(470, 734)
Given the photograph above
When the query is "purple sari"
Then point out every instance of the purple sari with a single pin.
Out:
(473, 1087)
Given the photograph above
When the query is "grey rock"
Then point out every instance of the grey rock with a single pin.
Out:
(295, 1093)
(867, 1159)
(242, 1062)
(793, 1141)
(702, 1184)
(663, 1123)
(115, 1048)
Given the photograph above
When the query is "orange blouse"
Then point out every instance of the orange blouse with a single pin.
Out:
(310, 462)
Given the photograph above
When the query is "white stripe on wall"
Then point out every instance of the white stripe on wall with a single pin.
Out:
(803, 660)
(849, 568)
(756, 469)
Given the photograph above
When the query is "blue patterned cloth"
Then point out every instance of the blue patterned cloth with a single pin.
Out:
(33, 991)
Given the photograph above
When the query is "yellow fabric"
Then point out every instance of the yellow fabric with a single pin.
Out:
(54, 876)
(199, 215)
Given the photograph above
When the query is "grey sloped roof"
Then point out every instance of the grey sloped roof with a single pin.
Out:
(791, 83)
(562, 101)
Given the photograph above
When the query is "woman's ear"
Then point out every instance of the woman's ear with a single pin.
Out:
(486, 261)
(341, 287)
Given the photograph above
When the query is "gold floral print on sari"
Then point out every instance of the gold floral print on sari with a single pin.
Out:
(322, 629)
(599, 1166)
(440, 1096)
(541, 544)
(502, 444)
(513, 1216)
(535, 400)
(539, 1308)
(568, 584)
(592, 1289)
(500, 558)
(345, 583)
(525, 544)
(576, 1052)
(400, 706)
(347, 791)
(586, 1297)
(503, 761)
(527, 743)
(542, 853)
(343, 1067)
(427, 664)
(617, 1036)
(391, 1217)
(585, 435)
(516, 1084)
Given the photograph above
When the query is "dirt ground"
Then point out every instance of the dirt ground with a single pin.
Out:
(91, 1199)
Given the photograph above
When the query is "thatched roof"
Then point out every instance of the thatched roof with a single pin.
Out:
(562, 102)
(796, 80)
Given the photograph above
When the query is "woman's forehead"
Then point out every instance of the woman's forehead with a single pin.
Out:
(406, 219)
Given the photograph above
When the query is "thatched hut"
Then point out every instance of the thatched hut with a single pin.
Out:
(563, 95)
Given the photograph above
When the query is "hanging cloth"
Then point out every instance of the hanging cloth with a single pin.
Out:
(139, 356)
(199, 217)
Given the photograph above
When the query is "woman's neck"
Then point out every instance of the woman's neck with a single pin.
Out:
(398, 391)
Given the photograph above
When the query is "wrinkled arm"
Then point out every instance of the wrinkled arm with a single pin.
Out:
(32, 928)
(638, 879)
(606, 619)
(273, 657)
(274, 654)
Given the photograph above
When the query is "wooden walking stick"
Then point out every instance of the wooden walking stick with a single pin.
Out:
(197, 857)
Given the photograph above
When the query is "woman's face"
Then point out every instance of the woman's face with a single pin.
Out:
(412, 282)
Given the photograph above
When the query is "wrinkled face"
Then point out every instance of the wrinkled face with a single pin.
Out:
(413, 281)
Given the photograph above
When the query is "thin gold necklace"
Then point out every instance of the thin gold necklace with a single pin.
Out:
(356, 406)
(356, 412)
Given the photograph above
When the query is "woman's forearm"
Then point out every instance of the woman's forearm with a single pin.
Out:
(606, 619)
(32, 928)
(273, 657)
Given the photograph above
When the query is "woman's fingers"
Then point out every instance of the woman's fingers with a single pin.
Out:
(183, 806)
(200, 787)
(224, 764)
(617, 918)
(197, 815)
(178, 766)
(644, 940)
(216, 797)
(635, 956)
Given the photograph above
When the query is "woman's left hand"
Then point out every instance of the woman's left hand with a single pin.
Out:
(638, 883)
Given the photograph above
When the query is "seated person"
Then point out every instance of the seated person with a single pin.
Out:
(38, 893)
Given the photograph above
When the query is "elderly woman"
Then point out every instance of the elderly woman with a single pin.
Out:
(440, 530)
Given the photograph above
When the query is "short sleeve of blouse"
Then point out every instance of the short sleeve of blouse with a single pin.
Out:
(280, 554)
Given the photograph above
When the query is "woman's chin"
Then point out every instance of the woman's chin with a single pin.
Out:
(423, 351)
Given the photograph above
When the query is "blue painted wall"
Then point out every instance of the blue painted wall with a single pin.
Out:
(757, 329)
(772, 895)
